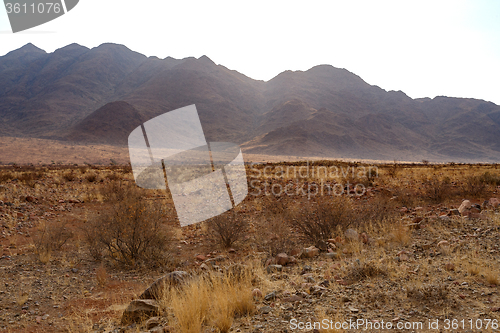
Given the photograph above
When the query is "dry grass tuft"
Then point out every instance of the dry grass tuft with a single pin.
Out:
(213, 299)
(101, 276)
(401, 234)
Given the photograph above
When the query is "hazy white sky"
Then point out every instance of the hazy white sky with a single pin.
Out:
(424, 48)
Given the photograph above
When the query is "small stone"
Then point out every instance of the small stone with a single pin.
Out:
(332, 255)
(152, 322)
(310, 279)
(364, 238)
(256, 293)
(494, 202)
(310, 252)
(273, 268)
(443, 243)
(466, 204)
(200, 257)
(351, 235)
(138, 310)
(155, 290)
(282, 259)
(265, 309)
(270, 297)
(354, 310)
(403, 257)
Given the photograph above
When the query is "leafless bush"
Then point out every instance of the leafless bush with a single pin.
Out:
(228, 228)
(474, 186)
(361, 271)
(428, 293)
(51, 237)
(69, 176)
(130, 232)
(317, 220)
(91, 177)
(273, 232)
(437, 190)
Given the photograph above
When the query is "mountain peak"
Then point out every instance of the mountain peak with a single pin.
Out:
(28, 48)
(206, 60)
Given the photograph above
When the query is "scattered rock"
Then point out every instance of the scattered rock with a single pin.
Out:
(351, 235)
(364, 238)
(200, 257)
(273, 268)
(152, 322)
(292, 260)
(332, 255)
(270, 297)
(256, 293)
(322, 245)
(310, 252)
(466, 204)
(156, 290)
(443, 243)
(265, 309)
(494, 202)
(282, 259)
(139, 310)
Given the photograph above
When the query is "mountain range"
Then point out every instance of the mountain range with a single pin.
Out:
(99, 95)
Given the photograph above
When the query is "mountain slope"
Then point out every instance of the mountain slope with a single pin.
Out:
(99, 95)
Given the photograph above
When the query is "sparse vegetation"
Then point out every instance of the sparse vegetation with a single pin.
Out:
(131, 232)
(90, 246)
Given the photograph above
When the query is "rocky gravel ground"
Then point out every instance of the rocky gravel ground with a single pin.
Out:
(434, 261)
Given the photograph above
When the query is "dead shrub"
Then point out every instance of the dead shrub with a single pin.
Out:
(101, 276)
(273, 232)
(228, 228)
(437, 191)
(473, 186)
(130, 232)
(428, 293)
(50, 237)
(361, 271)
(400, 234)
(91, 177)
(6, 176)
(69, 176)
(317, 220)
